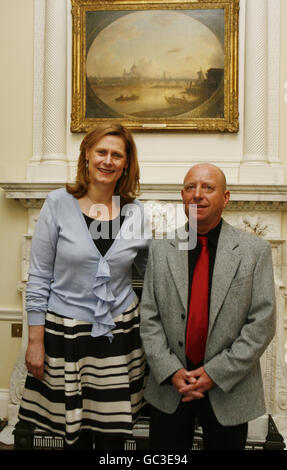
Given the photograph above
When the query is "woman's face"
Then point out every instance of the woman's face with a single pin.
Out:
(107, 160)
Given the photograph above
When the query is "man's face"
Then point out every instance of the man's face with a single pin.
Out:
(204, 186)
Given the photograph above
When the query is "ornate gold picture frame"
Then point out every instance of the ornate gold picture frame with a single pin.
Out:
(155, 65)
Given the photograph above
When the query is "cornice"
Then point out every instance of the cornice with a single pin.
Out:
(243, 196)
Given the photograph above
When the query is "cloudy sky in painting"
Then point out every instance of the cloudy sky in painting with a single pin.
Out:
(158, 43)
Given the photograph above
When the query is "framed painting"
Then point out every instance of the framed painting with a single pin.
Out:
(155, 65)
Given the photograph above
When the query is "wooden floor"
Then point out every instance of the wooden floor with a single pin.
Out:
(5, 447)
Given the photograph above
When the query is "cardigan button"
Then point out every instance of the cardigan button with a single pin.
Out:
(183, 316)
(180, 343)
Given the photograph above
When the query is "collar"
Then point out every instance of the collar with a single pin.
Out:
(213, 235)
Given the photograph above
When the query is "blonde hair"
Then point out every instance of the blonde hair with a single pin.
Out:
(128, 186)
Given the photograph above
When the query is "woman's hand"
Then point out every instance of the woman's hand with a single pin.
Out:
(35, 353)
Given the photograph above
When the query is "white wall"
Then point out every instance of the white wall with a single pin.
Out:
(16, 95)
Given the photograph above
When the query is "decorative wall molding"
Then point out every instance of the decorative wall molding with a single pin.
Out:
(49, 158)
(246, 197)
(10, 315)
(261, 93)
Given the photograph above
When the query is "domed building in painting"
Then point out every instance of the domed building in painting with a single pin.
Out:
(133, 73)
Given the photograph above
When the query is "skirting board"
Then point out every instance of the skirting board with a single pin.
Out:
(4, 399)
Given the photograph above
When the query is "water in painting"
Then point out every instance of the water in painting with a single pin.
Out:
(158, 63)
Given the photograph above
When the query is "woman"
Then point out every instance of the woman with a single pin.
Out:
(85, 362)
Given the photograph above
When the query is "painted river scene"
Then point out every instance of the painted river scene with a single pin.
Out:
(155, 64)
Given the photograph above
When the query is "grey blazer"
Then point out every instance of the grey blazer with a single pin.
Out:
(241, 322)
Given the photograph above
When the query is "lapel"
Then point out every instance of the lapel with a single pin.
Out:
(177, 259)
(225, 267)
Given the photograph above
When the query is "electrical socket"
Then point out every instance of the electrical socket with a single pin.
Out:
(16, 330)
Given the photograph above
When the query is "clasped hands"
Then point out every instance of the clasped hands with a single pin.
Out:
(192, 384)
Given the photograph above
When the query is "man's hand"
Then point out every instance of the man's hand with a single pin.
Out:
(199, 382)
(185, 385)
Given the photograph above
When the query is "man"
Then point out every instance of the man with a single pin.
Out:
(206, 373)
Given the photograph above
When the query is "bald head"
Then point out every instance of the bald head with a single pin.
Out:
(205, 188)
(217, 172)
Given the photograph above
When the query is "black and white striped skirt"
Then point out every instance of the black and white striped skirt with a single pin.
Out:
(89, 383)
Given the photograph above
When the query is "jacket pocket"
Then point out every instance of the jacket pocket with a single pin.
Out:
(241, 281)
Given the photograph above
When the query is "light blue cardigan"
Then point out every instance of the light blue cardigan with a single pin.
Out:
(69, 276)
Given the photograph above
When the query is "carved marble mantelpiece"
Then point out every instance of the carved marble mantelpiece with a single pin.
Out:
(256, 209)
(243, 196)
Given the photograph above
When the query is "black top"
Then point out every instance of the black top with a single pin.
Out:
(104, 232)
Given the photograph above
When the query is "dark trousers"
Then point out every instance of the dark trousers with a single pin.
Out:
(176, 431)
